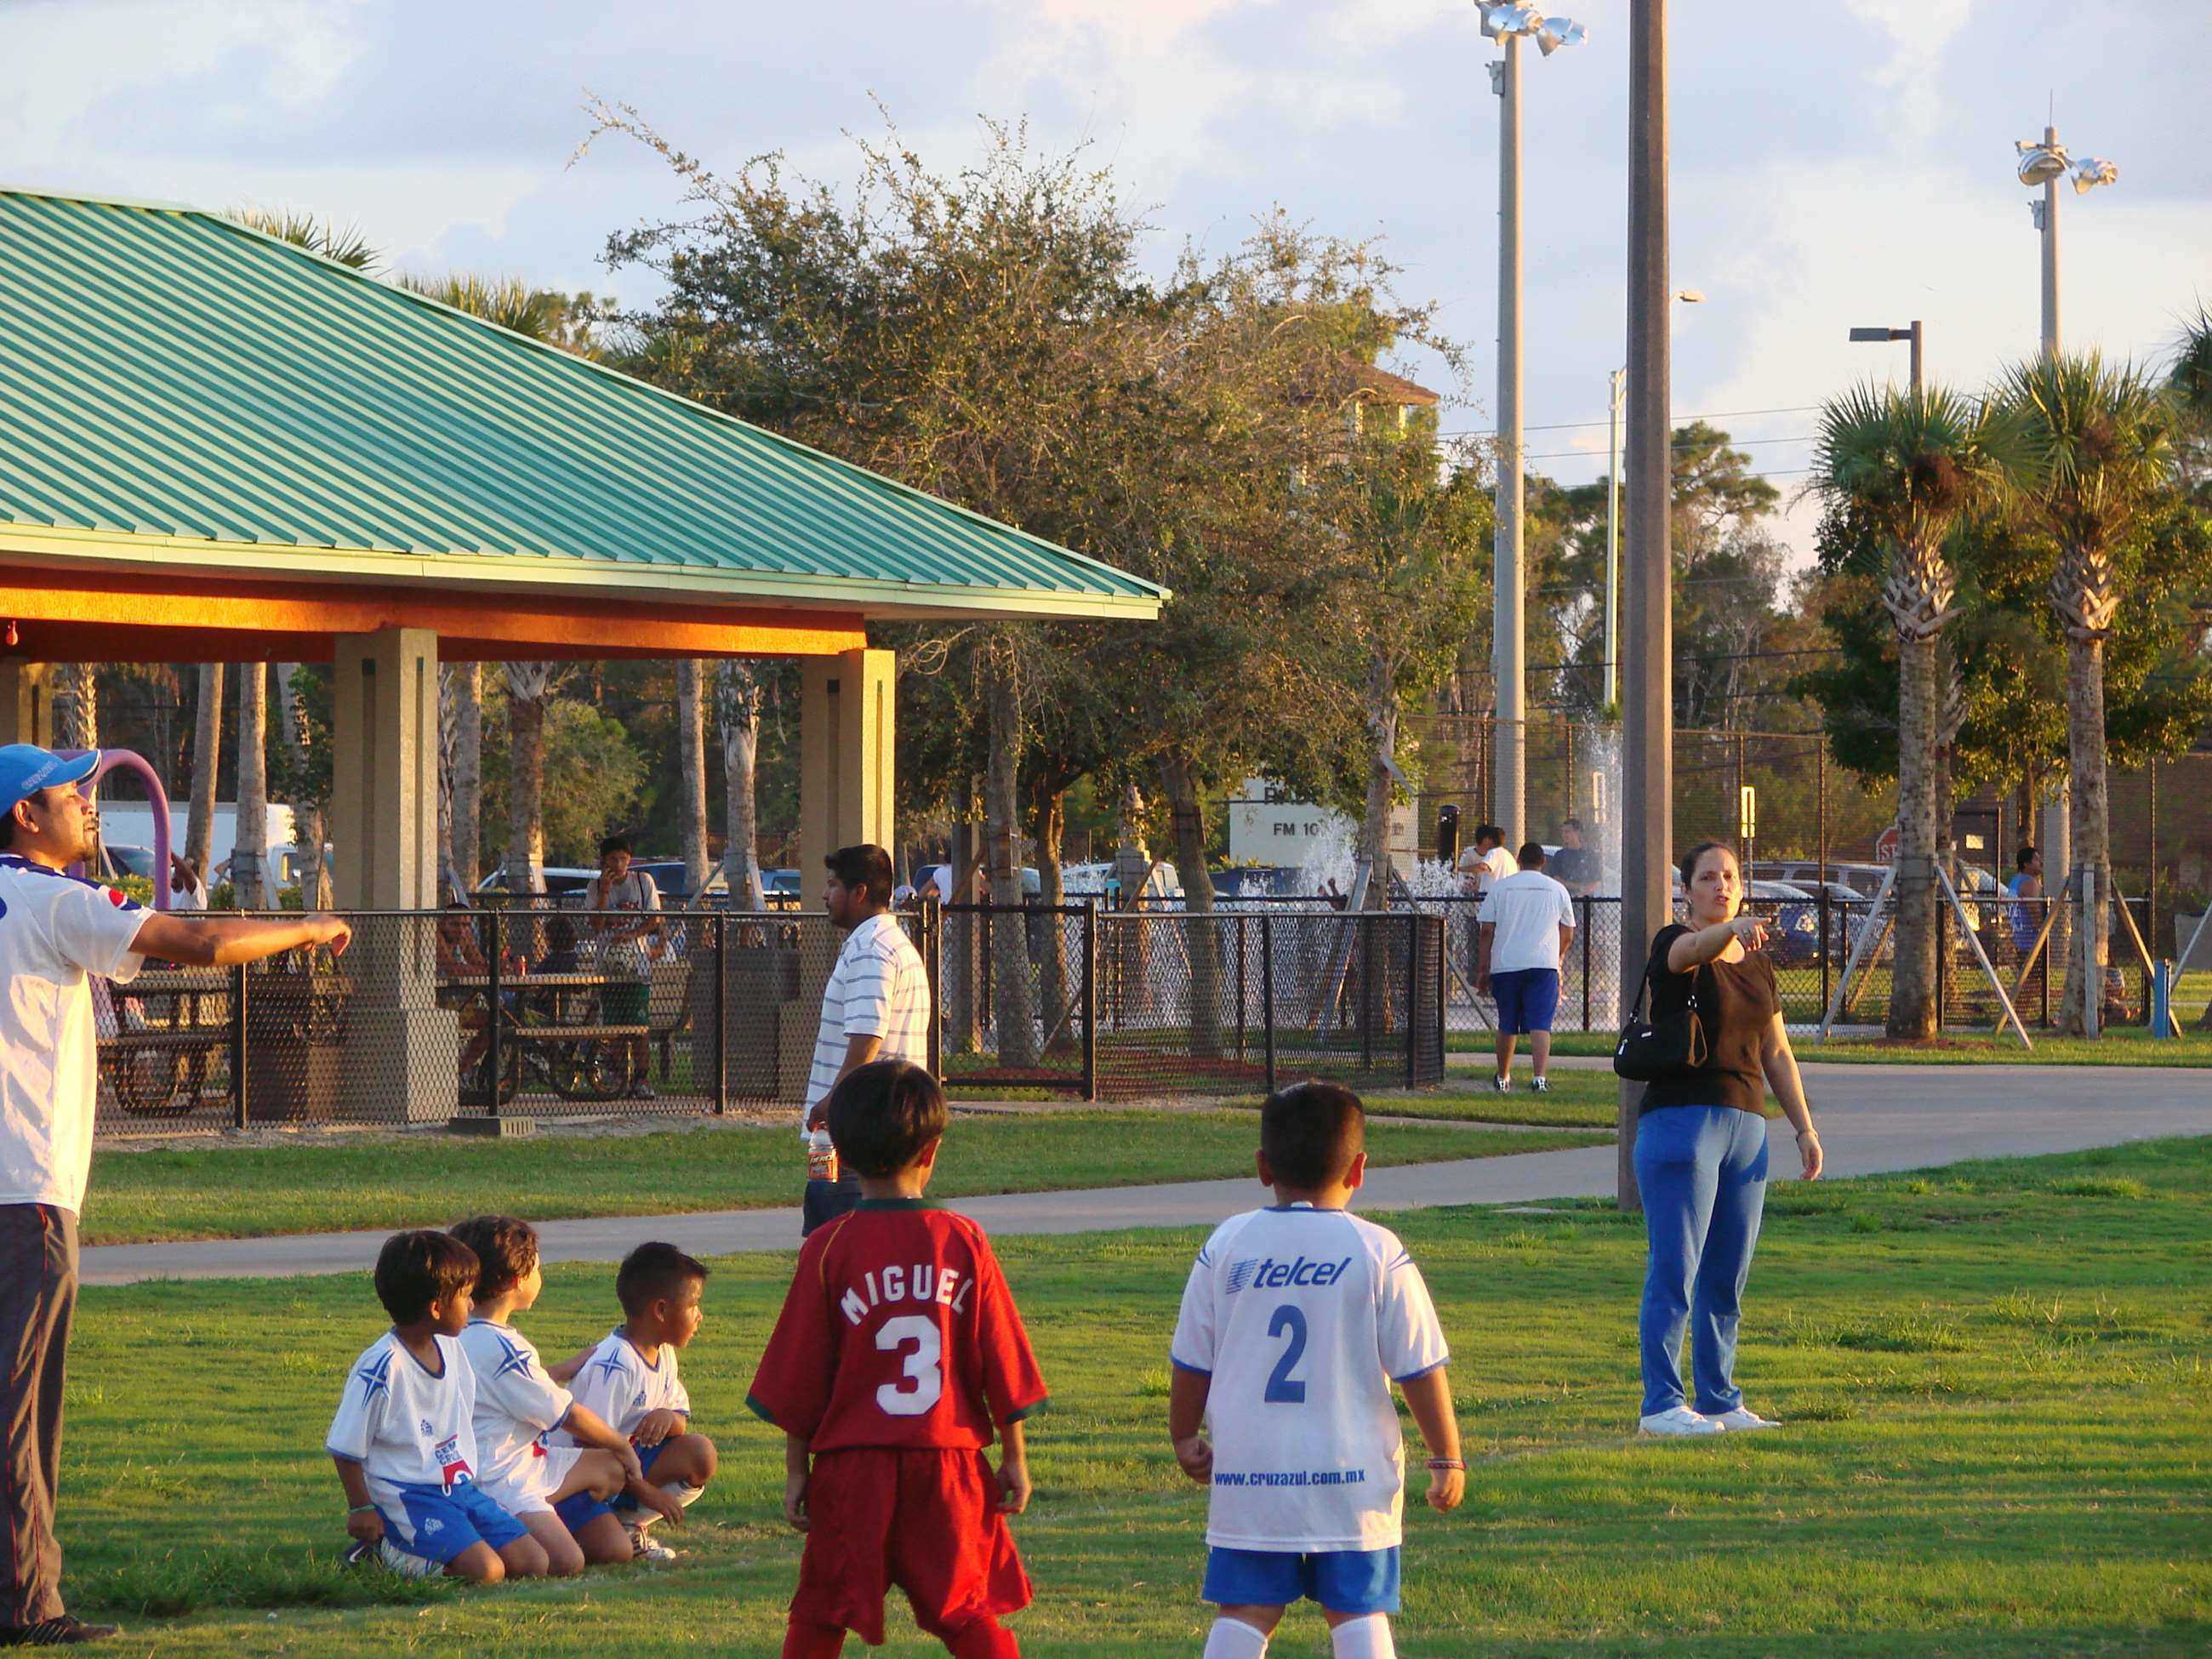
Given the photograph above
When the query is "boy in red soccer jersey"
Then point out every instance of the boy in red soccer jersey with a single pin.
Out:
(897, 1353)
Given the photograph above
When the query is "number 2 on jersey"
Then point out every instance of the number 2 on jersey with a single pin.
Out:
(923, 1371)
(1283, 1388)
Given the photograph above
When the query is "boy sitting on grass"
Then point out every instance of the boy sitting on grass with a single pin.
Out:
(404, 1437)
(519, 1406)
(630, 1381)
(897, 1353)
(1296, 1320)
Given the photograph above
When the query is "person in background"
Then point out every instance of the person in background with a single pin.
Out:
(187, 887)
(1525, 925)
(57, 933)
(625, 903)
(875, 1006)
(1487, 861)
(1574, 866)
(2026, 883)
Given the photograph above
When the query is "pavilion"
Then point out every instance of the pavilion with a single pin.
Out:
(217, 447)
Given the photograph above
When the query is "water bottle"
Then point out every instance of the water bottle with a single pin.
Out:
(821, 1157)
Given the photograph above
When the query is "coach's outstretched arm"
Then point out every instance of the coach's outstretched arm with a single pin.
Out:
(224, 942)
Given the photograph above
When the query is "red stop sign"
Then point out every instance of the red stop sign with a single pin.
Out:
(1885, 847)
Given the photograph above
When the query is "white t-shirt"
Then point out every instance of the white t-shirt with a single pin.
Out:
(1302, 1319)
(1528, 908)
(406, 1426)
(878, 988)
(518, 1406)
(618, 1384)
(1489, 868)
(56, 930)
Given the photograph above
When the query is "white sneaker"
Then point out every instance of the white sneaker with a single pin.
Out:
(1677, 1423)
(1500, 1085)
(388, 1555)
(1744, 1417)
(644, 1548)
(1542, 1086)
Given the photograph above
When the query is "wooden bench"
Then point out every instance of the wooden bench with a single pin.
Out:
(144, 1088)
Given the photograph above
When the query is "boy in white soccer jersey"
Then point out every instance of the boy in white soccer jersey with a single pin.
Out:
(630, 1380)
(403, 1439)
(1296, 1320)
(519, 1406)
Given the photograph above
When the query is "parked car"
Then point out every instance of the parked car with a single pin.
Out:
(1795, 914)
(1255, 881)
(568, 885)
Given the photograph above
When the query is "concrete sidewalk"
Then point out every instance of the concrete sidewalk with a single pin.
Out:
(1874, 1119)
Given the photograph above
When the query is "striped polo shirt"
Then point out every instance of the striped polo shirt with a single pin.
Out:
(878, 988)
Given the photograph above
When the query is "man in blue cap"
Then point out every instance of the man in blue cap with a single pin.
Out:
(56, 931)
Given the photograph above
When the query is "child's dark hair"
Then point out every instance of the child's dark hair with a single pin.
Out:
(654, 1273)
(1310, 1132)
(506, 1250)
(415, 1269)
(883, 1114)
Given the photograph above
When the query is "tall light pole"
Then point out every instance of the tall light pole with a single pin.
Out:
(1618, 385)
(1506, 21)
(1647, 703)
(1886, 335)
(2043, 163)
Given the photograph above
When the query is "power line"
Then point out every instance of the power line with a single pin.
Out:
(1555, 454)
(1678, 420)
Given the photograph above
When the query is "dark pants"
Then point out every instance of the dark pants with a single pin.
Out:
(825, 1200)
(38, 1295)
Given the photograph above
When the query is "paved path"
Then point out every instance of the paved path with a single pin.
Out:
(1874, 1119)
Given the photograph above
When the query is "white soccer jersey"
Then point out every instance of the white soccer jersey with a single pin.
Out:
(618, 1384)
(518, 1406)
(405, 1425)
(1302, 1319)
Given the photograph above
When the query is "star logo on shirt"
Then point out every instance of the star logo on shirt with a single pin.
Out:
(512, 1358)
(611, 1364)
(376, 1376)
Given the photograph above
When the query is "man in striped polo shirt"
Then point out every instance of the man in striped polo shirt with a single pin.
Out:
(876, 1005)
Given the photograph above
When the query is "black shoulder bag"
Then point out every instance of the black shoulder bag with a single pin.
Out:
(1659, 1047)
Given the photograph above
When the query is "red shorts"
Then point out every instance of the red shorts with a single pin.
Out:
(926, 1520)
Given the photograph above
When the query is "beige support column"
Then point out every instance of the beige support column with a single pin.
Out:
(26, 704)
(383, 794)
(846, 739)
(402, 1051)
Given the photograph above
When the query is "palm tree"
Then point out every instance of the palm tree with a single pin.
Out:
(737, 720)
(251, 888)
(692, 767)
(207, 756)
(1909, 465)
(530, 690)
(2102, 438)
(2190, 384)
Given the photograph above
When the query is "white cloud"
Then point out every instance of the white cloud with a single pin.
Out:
(1920, 31)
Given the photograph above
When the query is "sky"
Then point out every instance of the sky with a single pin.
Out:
(1834, 162)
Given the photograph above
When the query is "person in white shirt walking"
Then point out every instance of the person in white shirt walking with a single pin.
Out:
(57, 932)
(875, 1006)
(1526, 921)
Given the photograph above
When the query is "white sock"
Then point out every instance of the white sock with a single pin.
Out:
(682, 1491)
(1364, 1638)
(1233, 1638)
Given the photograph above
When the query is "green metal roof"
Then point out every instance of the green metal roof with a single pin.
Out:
(171, 382)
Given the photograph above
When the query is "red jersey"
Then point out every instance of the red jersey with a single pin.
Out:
(898, 1331)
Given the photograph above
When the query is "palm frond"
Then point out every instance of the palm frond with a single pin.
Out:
(348, 245)
(508, 301)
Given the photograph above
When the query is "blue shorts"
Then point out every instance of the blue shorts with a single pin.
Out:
(439, 1525)
(579, 1509)
(1527, 999)
(1357, 1582)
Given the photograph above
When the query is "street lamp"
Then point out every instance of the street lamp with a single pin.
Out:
(1688, 296)
(2043, 163)
(1884, 336)
(1508, 23)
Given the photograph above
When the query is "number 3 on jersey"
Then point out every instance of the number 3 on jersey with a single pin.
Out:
(1283, 1388)
(923, 1373)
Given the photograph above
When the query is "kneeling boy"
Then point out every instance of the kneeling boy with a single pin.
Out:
(1296, 1320)
(897, 1353)
(630, 1380)
(403, 1439)
(519, 1406)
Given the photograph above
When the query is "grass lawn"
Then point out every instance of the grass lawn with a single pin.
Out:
(1993, 1379)
(1578, 1099)
(235, 1192)
(2128, 1045)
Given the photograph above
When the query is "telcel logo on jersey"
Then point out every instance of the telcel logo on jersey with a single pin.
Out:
(1266, 1273)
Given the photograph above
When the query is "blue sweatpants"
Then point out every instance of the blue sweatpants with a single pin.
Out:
(1703, 1173)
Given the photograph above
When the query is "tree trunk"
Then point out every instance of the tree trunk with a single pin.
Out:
(466, 853)
(529, 689)
(737, 719)
(77, 705)
(1370, 875)
(962, 974)
(2090, 826)
(207, 758)
(1011, 1005)
(308, 831)
(692, 764)
(1913, 984)
(1048, 825)
(1187, 814)
(249, 864)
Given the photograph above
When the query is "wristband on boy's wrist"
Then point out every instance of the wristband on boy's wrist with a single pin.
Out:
(1447, 1463)
(361, 1509)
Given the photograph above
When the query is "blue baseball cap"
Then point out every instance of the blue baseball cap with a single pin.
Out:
(26, 769)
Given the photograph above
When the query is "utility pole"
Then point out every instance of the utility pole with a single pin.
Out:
(1647, 712)
(1509, 644)
(1618, 389)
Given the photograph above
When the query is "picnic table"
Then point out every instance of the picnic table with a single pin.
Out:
(551, 1032)
(170, 1028)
